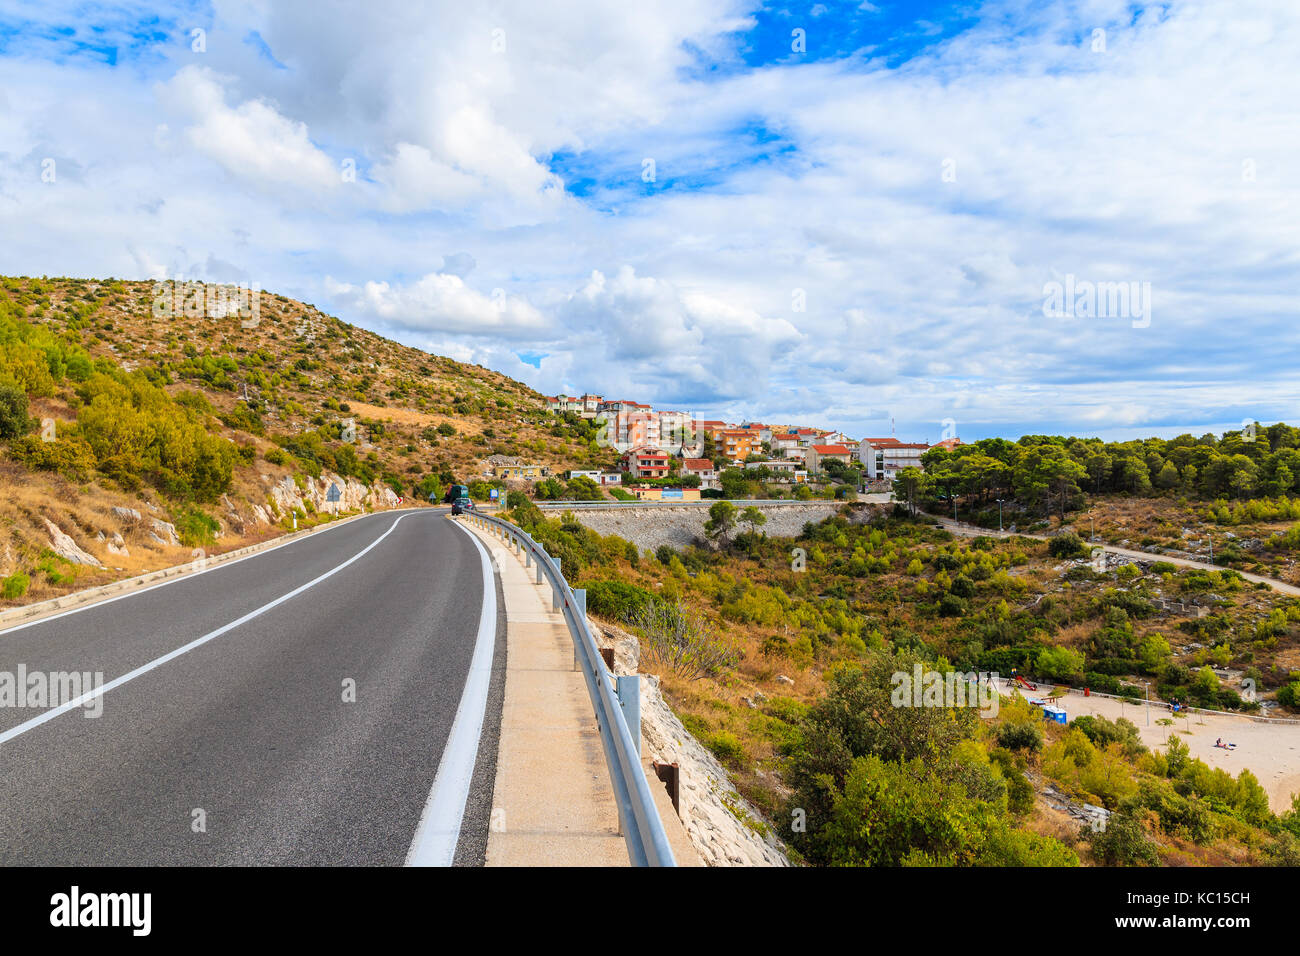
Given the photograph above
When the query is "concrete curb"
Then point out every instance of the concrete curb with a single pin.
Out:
(90, 596)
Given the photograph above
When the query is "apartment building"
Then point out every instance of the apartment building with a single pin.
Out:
(886, 457)
(737, 444)
(645, 463)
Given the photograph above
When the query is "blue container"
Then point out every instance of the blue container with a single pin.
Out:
(1055, 713)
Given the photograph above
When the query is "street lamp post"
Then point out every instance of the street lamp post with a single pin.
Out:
(1000, 500)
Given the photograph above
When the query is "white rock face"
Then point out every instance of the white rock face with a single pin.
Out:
(353, 495)
(66, 548)
(164, 532)
(709, 804)
(126, 515)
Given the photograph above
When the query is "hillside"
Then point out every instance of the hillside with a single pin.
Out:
(783, 668)
(133, 433)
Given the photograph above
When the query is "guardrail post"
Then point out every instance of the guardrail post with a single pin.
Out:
(580, 600)
(555, 591)
(628, 688)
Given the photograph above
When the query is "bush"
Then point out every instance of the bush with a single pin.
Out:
(1067, 544)
(1289, 696)
(14, 586)
(13, 411)
(1124, 841)
(1103, 732)
(727, 747)
(1020, 736)
(950, 605)
(617, 599)
(196, 528)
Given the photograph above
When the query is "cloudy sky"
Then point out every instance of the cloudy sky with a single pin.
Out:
(835, 213)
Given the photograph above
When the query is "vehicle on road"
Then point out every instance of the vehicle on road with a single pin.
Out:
(462, 505)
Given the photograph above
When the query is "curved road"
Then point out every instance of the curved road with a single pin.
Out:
(244, 748)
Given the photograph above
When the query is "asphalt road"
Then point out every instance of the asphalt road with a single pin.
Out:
(243, 749)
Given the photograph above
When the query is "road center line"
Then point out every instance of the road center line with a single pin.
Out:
(197, 642)
(438, 832)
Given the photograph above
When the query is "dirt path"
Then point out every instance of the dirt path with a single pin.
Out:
(970, 530)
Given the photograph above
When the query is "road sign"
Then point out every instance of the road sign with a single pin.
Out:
(492, 493)
(333, 494)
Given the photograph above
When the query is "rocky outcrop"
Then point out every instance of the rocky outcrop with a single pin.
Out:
(286, 495)
(63, 545)
(725, 829)
(164, 532)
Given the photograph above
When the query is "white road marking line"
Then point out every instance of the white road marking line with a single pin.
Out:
(5, 632)
(438, 833)
(50, 714)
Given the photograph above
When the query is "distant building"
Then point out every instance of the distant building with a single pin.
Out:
(737, 444)
(519, 471)
(819, 455)
(886, 457)
(703, 469)
(646, 463)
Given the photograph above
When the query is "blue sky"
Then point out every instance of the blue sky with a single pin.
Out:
(700, 206)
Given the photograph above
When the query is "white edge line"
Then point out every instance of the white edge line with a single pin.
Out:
(53, 712)
(356, 519)
(438, 832)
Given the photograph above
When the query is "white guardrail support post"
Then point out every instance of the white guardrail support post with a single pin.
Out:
(628, 688)
(580, 602)
(616, 704)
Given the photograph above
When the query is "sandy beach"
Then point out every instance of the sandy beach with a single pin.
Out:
(1270, 751)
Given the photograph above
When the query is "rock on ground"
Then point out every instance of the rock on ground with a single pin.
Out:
(62, 545)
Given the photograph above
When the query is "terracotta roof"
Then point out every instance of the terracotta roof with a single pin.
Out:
(697, 464)
(830, 449)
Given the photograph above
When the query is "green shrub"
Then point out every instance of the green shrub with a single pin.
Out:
(14, 586)
(1020, 736)
(196, 528)
(727, 747)
(13, 411)
(1067, 544)
(1124, 841)
(1289, 695)
(617, 600)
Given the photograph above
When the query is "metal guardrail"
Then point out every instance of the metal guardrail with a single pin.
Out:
(616, 703)
(703, 503)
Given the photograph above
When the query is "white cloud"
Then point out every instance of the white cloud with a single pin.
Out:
(439, 303)
(923, 295)
(252, 141)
